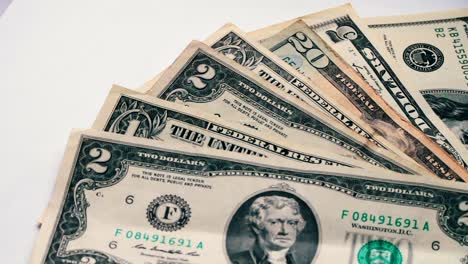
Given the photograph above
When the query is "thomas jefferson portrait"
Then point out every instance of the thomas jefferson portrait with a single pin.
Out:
(274, 231)
(453, 113)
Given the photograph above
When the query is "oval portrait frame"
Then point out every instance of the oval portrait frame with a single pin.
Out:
(310, 235)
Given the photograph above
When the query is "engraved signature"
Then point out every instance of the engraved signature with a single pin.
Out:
(167, 251)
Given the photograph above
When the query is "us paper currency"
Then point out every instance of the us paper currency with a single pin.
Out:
(130, 113)
(297, 44)
(208, 81)
(341, 29)
(431, 48)
(385, 76)
(122, 199)
(231, 42)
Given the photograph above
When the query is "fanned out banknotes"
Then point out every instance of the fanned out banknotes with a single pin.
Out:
(323, 139)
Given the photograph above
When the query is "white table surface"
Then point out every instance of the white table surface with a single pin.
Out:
(59, 58)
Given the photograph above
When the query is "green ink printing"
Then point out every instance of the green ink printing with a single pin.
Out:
(384, 220)
(379, 251)
(157, 238)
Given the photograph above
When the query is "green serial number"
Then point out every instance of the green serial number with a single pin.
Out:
(385, 220)
(156, 238)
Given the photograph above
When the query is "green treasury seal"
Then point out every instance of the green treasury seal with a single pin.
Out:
(379, 252)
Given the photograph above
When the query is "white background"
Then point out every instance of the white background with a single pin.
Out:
(59, 58)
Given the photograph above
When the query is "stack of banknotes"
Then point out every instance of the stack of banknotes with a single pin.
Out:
(327, 138)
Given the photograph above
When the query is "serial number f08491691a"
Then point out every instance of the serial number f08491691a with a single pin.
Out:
(158, 239)
(385, 220)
